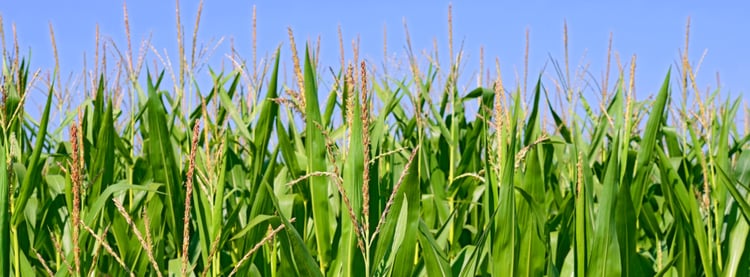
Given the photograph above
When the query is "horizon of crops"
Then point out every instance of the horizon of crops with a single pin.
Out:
(379, 175)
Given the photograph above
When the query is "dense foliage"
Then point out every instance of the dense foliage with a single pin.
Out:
(378, 175)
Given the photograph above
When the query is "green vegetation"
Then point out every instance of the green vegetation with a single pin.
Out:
(377, 175)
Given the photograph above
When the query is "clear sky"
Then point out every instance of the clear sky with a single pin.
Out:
(654, 30)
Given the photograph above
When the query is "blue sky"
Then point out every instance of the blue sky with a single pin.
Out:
(654, 30)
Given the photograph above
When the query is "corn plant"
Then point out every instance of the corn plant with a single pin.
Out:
(376, 175)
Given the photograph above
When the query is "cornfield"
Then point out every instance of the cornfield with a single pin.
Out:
(373, 175)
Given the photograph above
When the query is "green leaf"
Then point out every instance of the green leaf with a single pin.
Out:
(104, 161)
(163, 165)
(315, 149)
(605, 257)
(625, 220)
(410, 191)
(686, 206)
(4, 214)
(354, 168)
(436, 262)
(532, 234)
(648, 143)
(505, 239)
(35, 165)
(300, 257)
